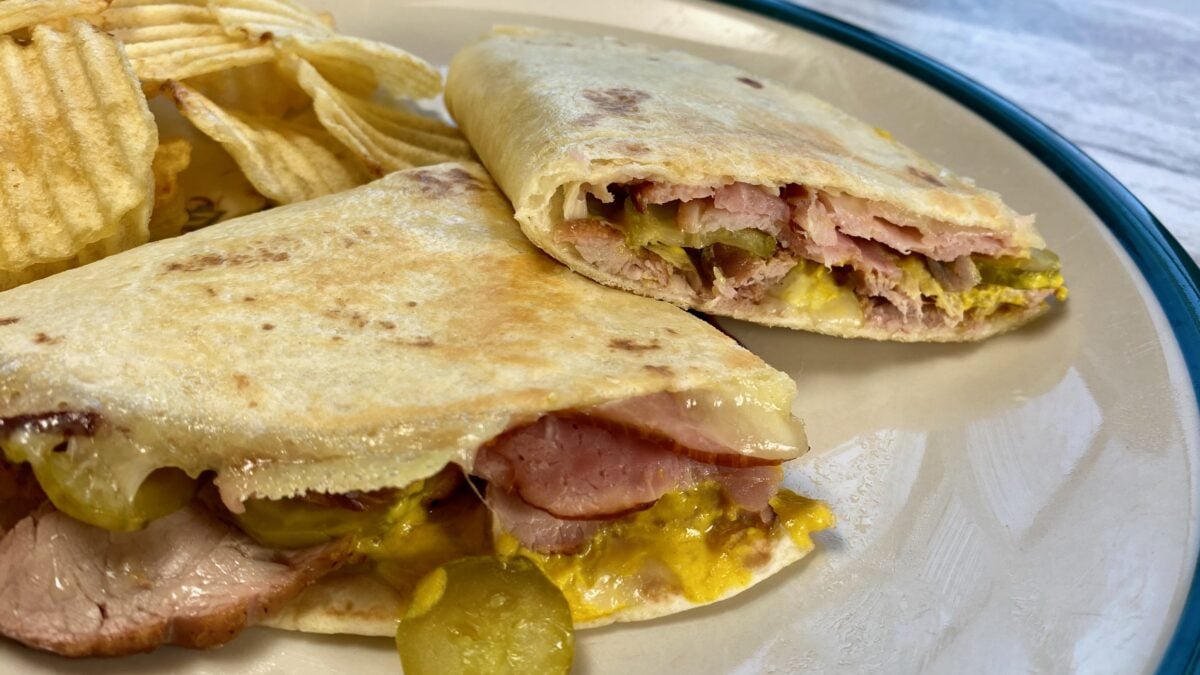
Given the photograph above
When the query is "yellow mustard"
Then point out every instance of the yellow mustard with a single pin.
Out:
(694, 543)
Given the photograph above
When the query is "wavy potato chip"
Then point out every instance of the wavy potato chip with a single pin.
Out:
(286, 160)
(355, 64)
(213, 187)
(386, 138)
(260, 89)
(18, 14)
(178, 40)
(170, 213)
(78, 140)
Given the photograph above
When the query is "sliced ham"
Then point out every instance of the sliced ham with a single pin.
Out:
(938, 241)
(712, 218)
(536, 529)
(605, 462)
(188, 579)
(662, 193)
(573, 467)
(752, 199)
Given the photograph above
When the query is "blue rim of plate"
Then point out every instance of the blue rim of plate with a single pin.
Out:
(1171, 273)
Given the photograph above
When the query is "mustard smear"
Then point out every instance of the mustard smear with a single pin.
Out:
(692, 543)
(423, 526)
(810, 286)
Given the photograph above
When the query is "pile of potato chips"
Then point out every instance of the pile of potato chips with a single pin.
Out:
(123, 121)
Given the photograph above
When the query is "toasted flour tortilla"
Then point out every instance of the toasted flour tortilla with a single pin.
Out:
(554, 116)
(356, 342)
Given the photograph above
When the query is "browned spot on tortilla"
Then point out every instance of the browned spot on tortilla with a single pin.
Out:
(665, 371)
(386, 325)
(268, 326)
(242, 381)
(249, 298)
(750, 82)
(633, 345)
(411, 303)
(356, 319)
(423, 341)
(672, 331)
(44, 339)
(440, 182)
(212, 293)
(252, 404)
(203, 261)
(337, 338)
(925, 176)
(9, 320)
(616, 101)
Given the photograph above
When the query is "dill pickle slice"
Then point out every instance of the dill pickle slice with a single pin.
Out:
(293, 523)
(91, 493)
(486, 615)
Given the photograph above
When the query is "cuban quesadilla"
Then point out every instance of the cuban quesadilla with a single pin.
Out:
(697, 183)
(274, 419)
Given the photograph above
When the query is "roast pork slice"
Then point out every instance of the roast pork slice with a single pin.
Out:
(188, 579)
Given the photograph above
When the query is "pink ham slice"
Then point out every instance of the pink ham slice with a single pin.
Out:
(751, 199)
(573, 468)
(866, 220)
(551, 509)
(536, 529)
(547, 480)
(188, 579)
(662, 193)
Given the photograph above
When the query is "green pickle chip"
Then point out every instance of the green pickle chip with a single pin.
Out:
(90, 494)
(486, 615)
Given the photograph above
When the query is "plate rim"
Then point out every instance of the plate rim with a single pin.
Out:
(1172, 275)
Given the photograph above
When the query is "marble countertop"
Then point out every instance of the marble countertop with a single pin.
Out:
(1121, 80)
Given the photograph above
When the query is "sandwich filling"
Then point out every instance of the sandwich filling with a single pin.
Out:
(622, 505)
(840, 258)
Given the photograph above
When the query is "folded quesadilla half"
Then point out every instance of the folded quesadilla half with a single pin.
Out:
(291, 416)
(666, 175)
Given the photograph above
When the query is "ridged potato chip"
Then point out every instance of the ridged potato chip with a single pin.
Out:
(286, 160)
(260, 89)
(386, 138)
(213, 187)
(78, 140)
(170, 214)
(178, 40)
(18, 14)
(355, 64)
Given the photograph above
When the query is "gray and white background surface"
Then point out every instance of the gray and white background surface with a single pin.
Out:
(1119, 79)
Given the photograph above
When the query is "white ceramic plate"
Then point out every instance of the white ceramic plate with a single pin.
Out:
(1026, 504)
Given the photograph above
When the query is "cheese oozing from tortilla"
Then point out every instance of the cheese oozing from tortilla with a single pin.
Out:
(704, 531)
